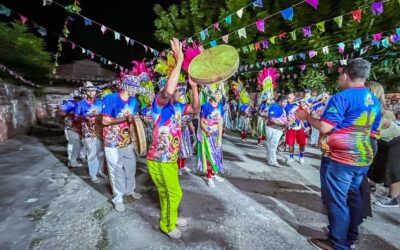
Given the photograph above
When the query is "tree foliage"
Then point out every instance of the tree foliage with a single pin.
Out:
(192, 16)
(313, 79)
(25, 53)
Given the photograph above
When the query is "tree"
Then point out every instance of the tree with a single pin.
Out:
(314, 80)
(25, 53)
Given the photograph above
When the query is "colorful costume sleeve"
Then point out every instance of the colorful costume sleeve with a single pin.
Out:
(107, 109)
(334, 112)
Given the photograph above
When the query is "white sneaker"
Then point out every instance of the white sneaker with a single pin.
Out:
(210, 183)
(136, 196)
(218, 178)
(103, 175)
(275, 164)
(94, 180)
(181, 222)
(120, 207)
(301, 160)
(74, 164)
(175, 234)
(180, 172)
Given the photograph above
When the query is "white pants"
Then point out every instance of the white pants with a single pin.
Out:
(83, 152)
(95, 155)
(273, 136)
(121, 164)
(73, 146)
(314, 136)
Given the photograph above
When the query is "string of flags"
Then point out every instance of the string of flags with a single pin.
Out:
(16, 75)
(376, 8)
(376, 40)
(62, 39)
(75, 9)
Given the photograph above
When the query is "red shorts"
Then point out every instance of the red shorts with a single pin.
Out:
(299, 136)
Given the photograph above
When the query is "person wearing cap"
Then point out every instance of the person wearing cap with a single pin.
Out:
(163, 154)
(119, 109)
(72, 128)
(88, 110)
(350, 119)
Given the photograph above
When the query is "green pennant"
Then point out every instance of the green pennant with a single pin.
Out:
(339, 21)
(272, 39)
(321, 26)
(252, 47)
(294, 36)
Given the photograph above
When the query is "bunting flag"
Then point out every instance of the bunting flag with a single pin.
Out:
(204, 34)
(357, 15)
(131, 42)
(343, 62)
(225, 38)
(377, 8)
(313, 3)
(288, 14)
(242, 33)
(42, 31)
(83, 51)
(4, 11)
(377, 37)
(73, 45)
(312, 53)
(258, 3)
(23, 19)
(265, 44)
(240, 13)
(321, 26)
(213, 43)
(272, 39)
(357, 44)
(257, 46)
(385, 42)
(307, 31)
(341, 47)
(47, 2)
(216, 26)
(87, 21)
(117, 36)
(228, 19)
(103, 29)
(325, 50)
(282, 35)
(302, 67)
(260, 24)
(339, 21)
(127, 40)
(293, 35)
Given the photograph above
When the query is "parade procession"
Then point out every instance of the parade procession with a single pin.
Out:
(211, 142)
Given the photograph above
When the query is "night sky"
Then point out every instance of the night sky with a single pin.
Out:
(132, 18)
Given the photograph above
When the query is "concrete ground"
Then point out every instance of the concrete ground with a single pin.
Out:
(46, 205)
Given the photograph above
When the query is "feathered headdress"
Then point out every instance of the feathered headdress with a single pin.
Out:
(215, 88)
(240, 92)
(140, 68)
(267, 81)
(190, 54)
(164, 67)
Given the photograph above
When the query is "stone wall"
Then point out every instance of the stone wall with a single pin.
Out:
(17, 109)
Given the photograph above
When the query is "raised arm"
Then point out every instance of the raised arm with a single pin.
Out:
(194, 108)
(172, 82)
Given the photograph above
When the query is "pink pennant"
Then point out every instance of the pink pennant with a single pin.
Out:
(23, 19)
(260, 24)
(225, 38)
(302, 67)
(216, 26)
(145, 48)
(377, 37)
(357, 15)
(73, 45)
(312, 53)
(92, 55)
(313, 3)
(103, 29)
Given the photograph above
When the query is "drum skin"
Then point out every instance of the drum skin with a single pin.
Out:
(138, 136)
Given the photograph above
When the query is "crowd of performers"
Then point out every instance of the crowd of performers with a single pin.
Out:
(182, 123)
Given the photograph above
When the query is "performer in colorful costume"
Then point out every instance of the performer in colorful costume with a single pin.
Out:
(274, 114)
(88, 112)
(210, 134)
(119, 109)
(163, 155)
(241, 94)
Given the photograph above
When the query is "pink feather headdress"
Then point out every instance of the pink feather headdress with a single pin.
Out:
(140, 67)
(272, 72)
(190, 53)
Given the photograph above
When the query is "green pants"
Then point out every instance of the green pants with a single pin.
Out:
(165, 177)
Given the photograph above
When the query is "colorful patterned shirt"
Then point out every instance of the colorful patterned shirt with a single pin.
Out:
(212, 115)
(69, 107)
(114, 107)
(291, 109)
(88, 112)
(355, 114)
(167, 131)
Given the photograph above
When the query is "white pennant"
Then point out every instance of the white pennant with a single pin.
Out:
(225, 38)
(127, 40)
(240, 13)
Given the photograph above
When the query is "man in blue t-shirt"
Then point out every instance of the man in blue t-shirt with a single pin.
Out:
(118, 112)
(351, 117)
(88, 112)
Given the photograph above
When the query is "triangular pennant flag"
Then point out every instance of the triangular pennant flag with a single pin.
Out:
(302, 56)
(70, 18)
(361, 51)
(66, 31)
(127, 40)
(341, 47)
(103, 29)
(240, 13)
(225, 38)
(315, 65)
(291, 68)
(4, 11)
(339, 21)
(293, 35)
(73, 45)
(357, 15)
(88, 52)
(313, 3)
(272, 39)
(280, 60)
(117, 36)
(228, 19)
(131, 42)
(260, 24)
(245, 50)
(242, 33)
(321, 26)
(265, 44)
(325, 50)
(377, 37)
(312, 53)
(251, 47)
(343, 62)
(398, 31)
(282, 35)
(394, 38)
(258, 3)
(288, 14)
(23, 19)
(83, 51)
(303, 67)
(47, 2)
(190, 40)
(87, 21)
(307, 31)
(213, 43)
(204, 34)
(385, 42)
(42, 31)
(145, 48)
(257, 45)
(92, 55)
(357, 43)
(216, 26)
(377, 8)
(290, 58)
